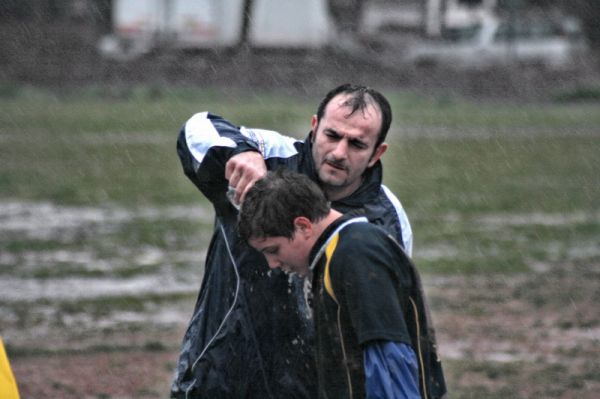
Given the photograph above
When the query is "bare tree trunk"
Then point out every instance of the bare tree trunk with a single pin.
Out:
(433, 17)
(588, 11)
(246, 23)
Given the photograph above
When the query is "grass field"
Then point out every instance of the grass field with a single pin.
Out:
(102, 237)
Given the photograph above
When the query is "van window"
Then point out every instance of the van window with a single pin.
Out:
(526, 30)
(461, 34)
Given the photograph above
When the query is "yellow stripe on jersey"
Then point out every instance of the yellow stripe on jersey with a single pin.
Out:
(329, 253)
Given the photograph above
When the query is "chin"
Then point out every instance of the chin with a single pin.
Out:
(331, 172)
(296, 272)
(332, 181)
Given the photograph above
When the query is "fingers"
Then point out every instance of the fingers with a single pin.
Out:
(242, 171)
(245, 184)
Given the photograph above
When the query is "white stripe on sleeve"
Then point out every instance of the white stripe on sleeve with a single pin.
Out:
(271, 144)
(407, 234)
(201, 135)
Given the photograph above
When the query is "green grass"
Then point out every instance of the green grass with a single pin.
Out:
(545, 174)
(90, 149)
(456, 113)
(86, 149)
(138, 110)
(104, 146)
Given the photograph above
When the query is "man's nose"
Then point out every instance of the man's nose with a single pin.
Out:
(341, 150)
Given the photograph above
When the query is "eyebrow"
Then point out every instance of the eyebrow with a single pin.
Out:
(355, 140)
(330, 130)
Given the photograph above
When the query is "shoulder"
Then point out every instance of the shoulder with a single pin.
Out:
(364, 257)
(366, 230)
(361, 242)
(207, 127)
(368, 256)
(395, 218)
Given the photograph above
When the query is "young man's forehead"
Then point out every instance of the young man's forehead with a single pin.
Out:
(263, 242)
(258, 240)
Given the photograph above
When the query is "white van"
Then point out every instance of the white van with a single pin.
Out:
(493, 42)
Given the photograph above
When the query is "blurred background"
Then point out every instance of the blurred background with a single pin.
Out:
(303, 45)
(494, 153)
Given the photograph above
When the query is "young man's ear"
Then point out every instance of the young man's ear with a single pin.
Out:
(303, 226)
(377, 154)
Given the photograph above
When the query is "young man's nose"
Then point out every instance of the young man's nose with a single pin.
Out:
(273, 263)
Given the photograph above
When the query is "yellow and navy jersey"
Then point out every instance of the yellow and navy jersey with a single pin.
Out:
(366, 290)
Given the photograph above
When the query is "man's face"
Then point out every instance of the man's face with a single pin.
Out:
(289, 255)
(343, 147)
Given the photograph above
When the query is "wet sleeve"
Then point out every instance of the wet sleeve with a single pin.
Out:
(210, 137)
(391, 371)
(271, 144)
(206, 142)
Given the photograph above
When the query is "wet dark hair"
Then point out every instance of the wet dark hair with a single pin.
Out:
(272, 204)
(361, 97)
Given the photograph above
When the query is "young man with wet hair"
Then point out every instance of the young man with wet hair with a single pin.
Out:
(251, 334)
(373, 335)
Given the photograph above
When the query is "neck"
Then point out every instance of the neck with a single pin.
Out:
(320, 227)
(335, 193)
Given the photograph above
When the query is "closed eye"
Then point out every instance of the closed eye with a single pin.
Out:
(332, 134)
(274, 250)
(335, 136)
(358, 144)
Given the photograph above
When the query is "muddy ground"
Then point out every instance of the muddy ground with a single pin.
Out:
(86, 329)
(499, 337)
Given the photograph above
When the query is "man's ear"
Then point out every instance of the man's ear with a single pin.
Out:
(303, 226)
(314, 124)
(377, 154)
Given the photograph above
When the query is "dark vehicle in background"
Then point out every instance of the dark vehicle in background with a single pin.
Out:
(547, 43)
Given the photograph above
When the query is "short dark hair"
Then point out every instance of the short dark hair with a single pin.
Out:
(361, 97)
(272, 204)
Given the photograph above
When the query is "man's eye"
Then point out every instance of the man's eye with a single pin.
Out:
(358, 144)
